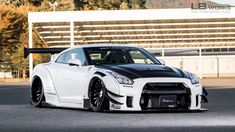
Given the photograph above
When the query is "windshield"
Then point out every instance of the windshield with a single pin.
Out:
(119, 55)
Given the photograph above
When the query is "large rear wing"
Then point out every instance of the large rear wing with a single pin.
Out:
(27, 51)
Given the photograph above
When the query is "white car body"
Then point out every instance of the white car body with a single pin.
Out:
(68, 86)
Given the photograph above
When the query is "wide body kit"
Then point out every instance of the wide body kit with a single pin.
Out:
(128, 87)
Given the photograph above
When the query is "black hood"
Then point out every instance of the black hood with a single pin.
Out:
(134, 71)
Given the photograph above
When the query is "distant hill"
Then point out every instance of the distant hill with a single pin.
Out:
(156, 4)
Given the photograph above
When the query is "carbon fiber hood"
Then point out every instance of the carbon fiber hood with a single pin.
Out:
(134, 71)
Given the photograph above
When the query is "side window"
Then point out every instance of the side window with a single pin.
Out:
(61, 58)
(76, 54)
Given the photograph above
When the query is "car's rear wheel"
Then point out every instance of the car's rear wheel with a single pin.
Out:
(97, 99)
(37, 95)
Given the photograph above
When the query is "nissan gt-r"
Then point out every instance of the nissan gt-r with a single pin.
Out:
(113, 77)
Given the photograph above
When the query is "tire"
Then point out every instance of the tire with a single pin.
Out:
(97, 99)
(37, 94)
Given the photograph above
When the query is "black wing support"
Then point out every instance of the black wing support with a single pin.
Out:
(27, 51)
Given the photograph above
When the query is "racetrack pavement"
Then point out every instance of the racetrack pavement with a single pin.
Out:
(17, 115)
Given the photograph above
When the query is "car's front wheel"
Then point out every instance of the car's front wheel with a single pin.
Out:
(97, 99)
(37, 96)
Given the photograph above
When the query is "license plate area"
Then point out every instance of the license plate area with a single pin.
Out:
(167, 101)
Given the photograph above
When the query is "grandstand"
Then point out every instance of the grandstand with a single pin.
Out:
(164, 32)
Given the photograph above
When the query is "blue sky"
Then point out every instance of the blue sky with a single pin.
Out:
(231, 2)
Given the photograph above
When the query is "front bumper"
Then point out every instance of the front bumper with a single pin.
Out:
(129, 97)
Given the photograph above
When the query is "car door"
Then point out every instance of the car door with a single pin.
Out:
(69, 79)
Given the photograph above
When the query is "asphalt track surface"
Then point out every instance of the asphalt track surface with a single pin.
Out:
(17, 115)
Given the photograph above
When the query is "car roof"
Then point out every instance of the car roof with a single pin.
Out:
(96, 45)
(100, 45)
(108, 45)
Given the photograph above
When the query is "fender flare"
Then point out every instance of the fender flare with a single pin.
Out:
(100, 75)
(48, 84)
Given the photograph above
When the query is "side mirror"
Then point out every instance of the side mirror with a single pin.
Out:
(162, 62)
(75, 62)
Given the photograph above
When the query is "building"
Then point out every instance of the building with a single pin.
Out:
(202, 41)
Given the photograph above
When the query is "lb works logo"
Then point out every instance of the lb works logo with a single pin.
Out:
(210, 8)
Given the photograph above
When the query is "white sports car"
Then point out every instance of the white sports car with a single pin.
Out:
(113, 77)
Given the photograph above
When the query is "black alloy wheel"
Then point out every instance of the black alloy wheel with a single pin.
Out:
(37, 95)
(98, 101)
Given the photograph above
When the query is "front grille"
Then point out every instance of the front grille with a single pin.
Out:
(164, 86)
(152, 92)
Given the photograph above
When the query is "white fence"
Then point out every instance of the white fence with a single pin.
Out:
(204, 66)
(6, 75)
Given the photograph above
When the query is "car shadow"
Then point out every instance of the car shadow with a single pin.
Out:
(156, 111)
(47, 106)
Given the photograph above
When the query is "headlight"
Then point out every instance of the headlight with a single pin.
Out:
(121, 79)
(194, 79)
